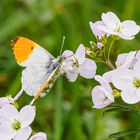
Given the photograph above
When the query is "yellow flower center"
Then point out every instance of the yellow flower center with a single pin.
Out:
(136, 82)
(16, 125)
(119, 28)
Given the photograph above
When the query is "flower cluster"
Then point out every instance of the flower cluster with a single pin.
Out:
(16, 125)
(123, 79)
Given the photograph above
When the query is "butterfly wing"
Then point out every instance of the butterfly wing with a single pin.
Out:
(36, 61)
(33, 78)
(29, 53)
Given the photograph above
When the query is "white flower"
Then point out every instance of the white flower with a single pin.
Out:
(75, 64)
(128, 81)
(39, 136)
(124, 60)
(102, 95)
(15, 125)
(126, 29)
(94, 27)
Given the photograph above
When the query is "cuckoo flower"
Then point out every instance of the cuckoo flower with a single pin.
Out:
(126, 29)
(94, 27)
(102, 95)
(128, 81)
(39, 136)
(15, 125)
(75, 64)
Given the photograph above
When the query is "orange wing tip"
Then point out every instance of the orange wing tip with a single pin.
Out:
(13, 42)
(22, 48)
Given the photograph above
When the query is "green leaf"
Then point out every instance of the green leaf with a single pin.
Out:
(124, 133)
(121, 108)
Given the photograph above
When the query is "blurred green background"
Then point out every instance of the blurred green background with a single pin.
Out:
(66, 112)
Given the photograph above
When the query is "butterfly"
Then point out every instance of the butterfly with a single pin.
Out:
(41, 69)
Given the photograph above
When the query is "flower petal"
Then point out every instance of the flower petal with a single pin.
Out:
(67, 53)
(95, 30)
(3, 101)
(108, 75)
(105, 29)
(27, 115)
(129, 96)
(39, 136)
(80, 54)
(130, 28)
(23, 134)
(125, 59)
(99, 99)
(88, 68)
(72, 75)
(137, 69)
(6, 132)
(107, 93)
(110, 20)
(10, 112)
(124, 36)
(122, 78)
(103, 82)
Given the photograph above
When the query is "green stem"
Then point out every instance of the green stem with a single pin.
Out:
(58, 111)
(110, 65)
(109, 50)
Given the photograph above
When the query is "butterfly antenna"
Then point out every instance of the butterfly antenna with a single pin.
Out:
(62, 46)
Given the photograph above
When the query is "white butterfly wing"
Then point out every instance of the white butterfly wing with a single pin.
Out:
(36, 61)
(33, 78)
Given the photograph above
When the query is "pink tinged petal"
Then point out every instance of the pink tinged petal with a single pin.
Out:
(72, 75)
(106, 30)
(130, 28)
(23, 134)
(88, 68)
(26, 115)
(69, 57)
(103, 83)
(80, 54)
(67, 53)
(125, 60)
(10, 112)
(110, 20)
(99, 99)
(129, 96)
(39, 136)
(122, 78)
(95, 30)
